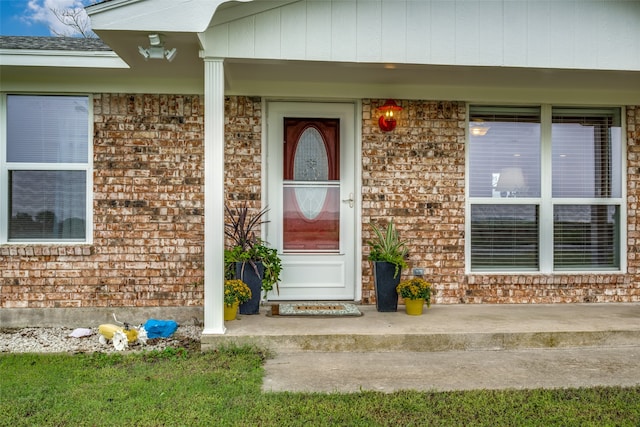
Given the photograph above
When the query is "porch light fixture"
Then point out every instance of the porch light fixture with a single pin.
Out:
(156, 49)
(154, 40)
(386, 121)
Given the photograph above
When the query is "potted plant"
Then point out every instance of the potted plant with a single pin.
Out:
(388, 254)
(416, 292)
(236, 292)
(249, 258)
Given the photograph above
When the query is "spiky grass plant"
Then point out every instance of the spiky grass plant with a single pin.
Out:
(388, 247)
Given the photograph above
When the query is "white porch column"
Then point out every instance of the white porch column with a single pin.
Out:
(213, 196)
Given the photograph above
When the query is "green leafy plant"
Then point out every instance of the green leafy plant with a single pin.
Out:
(415, 288)
(388, 247)
(247, 247)
(235, 290)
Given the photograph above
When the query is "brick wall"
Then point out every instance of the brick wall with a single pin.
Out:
(243, 151)
(415, 174)
(148, 209)
(148, 215)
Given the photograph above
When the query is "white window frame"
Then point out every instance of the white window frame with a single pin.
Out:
(546, 202)
(5, 167)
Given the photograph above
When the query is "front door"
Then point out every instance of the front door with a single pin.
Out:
(311, 172)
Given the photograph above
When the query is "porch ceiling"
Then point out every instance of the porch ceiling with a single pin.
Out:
(411, 81)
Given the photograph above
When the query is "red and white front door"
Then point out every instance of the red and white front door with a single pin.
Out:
(311, 173)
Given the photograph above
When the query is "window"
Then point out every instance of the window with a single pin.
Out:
(46, 174)
(545, 189)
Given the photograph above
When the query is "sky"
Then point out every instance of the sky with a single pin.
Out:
(34, 17)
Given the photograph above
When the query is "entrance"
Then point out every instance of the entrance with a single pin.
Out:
(311, 173)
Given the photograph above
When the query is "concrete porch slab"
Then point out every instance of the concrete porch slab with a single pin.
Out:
(442, 328)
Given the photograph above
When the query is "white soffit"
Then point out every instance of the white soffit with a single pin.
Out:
(153, 15)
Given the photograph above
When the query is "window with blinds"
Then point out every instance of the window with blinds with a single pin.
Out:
(46, 172)
(545, 188)
(586, 164)
(504, 144)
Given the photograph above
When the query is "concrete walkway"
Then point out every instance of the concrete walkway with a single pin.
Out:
(457, 370)
(450, 347)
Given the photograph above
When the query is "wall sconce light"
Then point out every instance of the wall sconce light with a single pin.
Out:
(156, 49)
(386, 121)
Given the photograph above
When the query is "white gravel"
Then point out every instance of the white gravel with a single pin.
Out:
(57, 340)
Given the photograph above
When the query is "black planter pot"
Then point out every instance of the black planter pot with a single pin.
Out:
(246, 272)
(385, 284)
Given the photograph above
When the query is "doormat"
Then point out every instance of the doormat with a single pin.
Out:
(319, 309)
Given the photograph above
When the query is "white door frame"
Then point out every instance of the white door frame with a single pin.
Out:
(349, 112)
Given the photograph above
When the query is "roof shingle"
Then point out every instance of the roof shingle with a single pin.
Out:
(52, 43)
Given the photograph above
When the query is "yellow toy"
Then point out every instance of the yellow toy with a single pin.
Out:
(121, 336)
(108, 330)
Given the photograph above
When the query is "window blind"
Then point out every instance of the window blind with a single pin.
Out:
(504, 237)
(47, 129)
(505, 157)
(586, 146)
(585, 236)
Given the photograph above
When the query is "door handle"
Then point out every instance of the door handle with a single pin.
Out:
(350, 200)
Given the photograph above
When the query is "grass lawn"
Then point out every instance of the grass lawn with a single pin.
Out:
(176, 387)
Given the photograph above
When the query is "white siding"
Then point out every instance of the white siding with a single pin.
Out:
(467, 31)
(318, 29)
(491, 46)
(343, 33)
(241, 38)
(417, 40)
(586, 34)
(393, 47)
(369, 32)
(294, 30)
(442, 32)
(268, 35)
(515, 38)
(562, 33)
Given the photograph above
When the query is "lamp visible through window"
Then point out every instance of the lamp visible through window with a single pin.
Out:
(511, 182)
